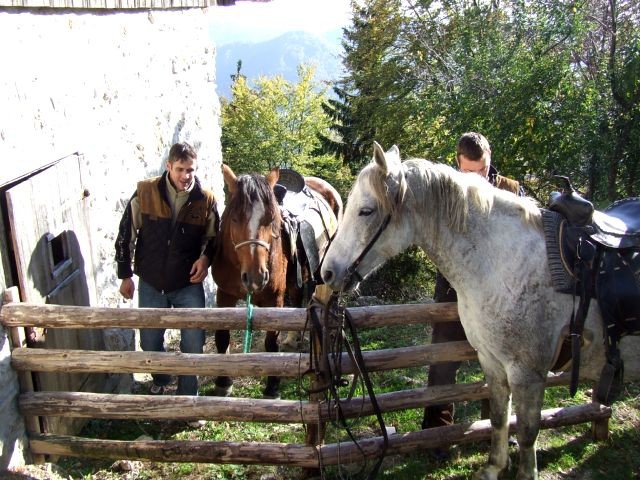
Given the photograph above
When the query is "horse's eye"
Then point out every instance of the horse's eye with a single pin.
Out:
(365, 212)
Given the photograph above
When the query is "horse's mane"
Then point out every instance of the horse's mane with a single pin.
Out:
(447, 194)
(387, 200)
(252, 187)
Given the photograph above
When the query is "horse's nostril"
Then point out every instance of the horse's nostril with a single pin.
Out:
(327, 276)
(265, 278)
(245, 278)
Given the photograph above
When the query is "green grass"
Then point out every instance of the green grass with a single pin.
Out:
(563, 453)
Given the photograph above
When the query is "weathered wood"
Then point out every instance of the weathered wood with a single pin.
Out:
(238, 364)
(249, 453)
(180, 407)
(345, 453)
(316, 428)
(112, 406)
(173, 363)
(25, 380)
(297, 455)
(419, 397)
(599, 427)
(283, 319)
(106, 4)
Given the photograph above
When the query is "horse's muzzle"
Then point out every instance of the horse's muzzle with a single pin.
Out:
(254, 283)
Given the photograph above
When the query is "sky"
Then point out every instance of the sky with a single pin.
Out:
(257, 21)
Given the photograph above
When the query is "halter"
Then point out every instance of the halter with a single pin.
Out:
(255, 241)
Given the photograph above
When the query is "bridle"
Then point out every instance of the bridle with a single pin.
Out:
(352, 271)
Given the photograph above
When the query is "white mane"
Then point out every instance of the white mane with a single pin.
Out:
(447, 193)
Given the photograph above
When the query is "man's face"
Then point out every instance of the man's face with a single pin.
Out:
(479, 167)
(181, 173)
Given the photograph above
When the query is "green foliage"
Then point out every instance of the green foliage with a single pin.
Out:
(553, 85)
(277, 124)
(405, 278)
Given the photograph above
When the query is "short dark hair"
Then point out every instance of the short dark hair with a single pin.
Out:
(181, 152)
(474, 146)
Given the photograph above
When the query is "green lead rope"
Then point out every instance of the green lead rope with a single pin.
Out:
(248, 333)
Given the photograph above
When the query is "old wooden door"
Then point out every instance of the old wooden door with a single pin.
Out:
(50, 233)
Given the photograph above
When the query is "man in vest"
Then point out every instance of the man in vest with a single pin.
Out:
(473, 155)
(169, 229)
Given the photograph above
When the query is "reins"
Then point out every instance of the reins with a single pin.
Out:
(332, 333)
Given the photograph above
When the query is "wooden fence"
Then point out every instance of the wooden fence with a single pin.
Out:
(314, 412)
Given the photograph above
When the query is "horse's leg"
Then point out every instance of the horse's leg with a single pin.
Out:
(223, 384)
(500, 405)
(528, 394)
(272, 390)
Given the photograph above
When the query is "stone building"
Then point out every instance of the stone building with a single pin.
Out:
(93, 93)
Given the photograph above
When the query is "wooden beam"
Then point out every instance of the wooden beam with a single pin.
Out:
(237, 364)
(179, 407)
(297, 455)
(122, 406)
(282, 319)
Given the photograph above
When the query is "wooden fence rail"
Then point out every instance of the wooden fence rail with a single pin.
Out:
(316, 411)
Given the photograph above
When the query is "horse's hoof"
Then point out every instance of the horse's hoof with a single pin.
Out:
(221, 391)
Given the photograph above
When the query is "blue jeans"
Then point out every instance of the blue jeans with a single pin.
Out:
(191, 339)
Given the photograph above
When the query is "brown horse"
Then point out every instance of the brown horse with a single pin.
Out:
(254, 255)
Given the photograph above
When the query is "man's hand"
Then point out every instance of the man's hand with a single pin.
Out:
(127, 288)
(199, 269)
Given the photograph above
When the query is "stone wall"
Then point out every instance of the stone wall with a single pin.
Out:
(119, 87)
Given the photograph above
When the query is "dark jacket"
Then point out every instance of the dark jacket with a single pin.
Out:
(164, 254)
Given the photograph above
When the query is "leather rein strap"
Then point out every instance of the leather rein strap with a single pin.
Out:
(328, 366)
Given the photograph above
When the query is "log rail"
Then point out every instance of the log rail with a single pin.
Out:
(314, 413)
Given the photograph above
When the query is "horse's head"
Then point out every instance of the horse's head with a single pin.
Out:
(251, 221)
(363, 241)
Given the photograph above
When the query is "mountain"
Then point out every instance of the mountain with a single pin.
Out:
(280, 56)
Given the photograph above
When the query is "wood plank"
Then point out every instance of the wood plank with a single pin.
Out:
(120, 406)
(283, 319)
(461, 433)
(237, 364)
(297, 455)
(198, 451)
(179, 407)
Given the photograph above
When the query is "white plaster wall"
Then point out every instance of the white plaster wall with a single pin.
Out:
(119, 87)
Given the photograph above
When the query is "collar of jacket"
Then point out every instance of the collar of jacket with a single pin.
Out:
(195, 194)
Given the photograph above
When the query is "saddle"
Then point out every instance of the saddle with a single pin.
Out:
(308, 222)
(596, 254)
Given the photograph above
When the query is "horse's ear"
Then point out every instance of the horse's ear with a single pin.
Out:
(273, 176)
(388, 162)
(230, 178)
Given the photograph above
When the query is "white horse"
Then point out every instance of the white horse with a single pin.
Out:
(489, 244)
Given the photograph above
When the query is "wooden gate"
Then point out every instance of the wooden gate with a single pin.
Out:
(314, 412)
(50, 235)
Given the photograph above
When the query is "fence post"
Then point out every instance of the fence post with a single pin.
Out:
(315, 432)
(25, 379)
